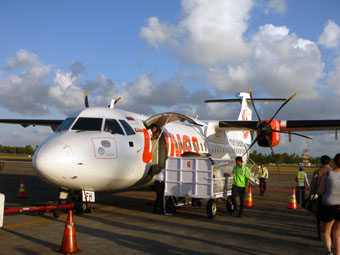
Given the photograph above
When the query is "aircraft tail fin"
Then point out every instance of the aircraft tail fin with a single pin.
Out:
(245, 112)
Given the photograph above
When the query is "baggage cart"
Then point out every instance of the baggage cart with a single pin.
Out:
(194, 182)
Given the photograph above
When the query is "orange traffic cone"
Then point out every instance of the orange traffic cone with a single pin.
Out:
(292, 202)
(21, 193)
(69, 243)
(249, 199)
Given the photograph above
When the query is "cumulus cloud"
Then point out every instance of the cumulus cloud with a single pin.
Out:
(334, 77)
(281, 62)
(29, 93)
(330, 37)
(278, 6)
(156, 33)
(18, 93)
(207, 32)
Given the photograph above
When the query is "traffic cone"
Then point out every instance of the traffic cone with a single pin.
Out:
(292, 202)
(249, 199)
(69, 243)
(21, 193)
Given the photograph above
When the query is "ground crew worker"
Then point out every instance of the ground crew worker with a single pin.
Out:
(241, 180)
(301, 184)
(263, 176)
(159, 188)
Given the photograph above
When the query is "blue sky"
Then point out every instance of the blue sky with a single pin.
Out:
(169, 55)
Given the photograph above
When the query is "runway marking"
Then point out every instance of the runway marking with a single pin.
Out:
(27, 223)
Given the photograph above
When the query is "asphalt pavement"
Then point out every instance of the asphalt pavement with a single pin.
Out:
(123, 223)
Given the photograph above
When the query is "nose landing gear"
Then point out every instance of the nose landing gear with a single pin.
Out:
(75, 197)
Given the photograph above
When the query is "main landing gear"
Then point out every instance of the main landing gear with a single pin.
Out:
(75, 197)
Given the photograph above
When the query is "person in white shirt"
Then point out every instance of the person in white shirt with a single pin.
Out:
(263, 176)
(159, 188)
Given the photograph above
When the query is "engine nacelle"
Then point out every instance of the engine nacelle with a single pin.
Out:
(265, 130)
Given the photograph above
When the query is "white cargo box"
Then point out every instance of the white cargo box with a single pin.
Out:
(193, 177)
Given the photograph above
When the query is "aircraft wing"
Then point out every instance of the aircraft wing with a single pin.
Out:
(285, 125)
(33, 122)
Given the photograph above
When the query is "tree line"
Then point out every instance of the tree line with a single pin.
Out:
(27, 150)
(283, 158)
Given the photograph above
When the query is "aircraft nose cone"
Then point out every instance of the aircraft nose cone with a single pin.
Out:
(53, 162)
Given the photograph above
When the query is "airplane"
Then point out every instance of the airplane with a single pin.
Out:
(105, 149)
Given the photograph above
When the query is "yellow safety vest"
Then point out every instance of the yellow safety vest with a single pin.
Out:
(301, 177)
(264, 173)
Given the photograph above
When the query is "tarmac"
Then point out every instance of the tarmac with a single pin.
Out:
(123, 223)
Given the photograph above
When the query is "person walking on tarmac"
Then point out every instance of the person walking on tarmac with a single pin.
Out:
(329, 212)
(315, 186)
(241, 181)
(301, 184)
(263, 176)
(159, 188)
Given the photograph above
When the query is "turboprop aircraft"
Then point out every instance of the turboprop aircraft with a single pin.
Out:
(105, 148)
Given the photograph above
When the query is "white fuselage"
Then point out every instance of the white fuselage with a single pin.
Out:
(79, 159)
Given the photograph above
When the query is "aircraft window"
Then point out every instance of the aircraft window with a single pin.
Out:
(127, 127)
(196, 147)
(201, 147)
(88, 124)
(190, 146)
(113, 127)
(66, 124)
(176, 144)
(180, 143)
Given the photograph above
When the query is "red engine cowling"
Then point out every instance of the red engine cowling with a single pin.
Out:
(266, 130)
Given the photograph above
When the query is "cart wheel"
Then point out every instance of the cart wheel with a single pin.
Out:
(211, 208)
(229, 205)
(170, 206)
(57, 212)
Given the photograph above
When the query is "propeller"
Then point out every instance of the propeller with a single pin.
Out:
(265, 130)
(86, 100)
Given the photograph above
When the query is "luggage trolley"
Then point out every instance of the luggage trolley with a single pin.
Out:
(194, 183)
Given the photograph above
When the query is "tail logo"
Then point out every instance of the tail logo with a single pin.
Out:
(245, 117)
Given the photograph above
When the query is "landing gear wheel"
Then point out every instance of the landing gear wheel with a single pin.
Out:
(78, 208)
(57, 212)
(170, 206)
(84, 207)
(211, 208)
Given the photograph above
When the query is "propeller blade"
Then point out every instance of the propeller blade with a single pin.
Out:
(86, 100)
(255, 140)
(282, 107)
(117, 100)
(271, 148)
(252, 102)
(286, 132)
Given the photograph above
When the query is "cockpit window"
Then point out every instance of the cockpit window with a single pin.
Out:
(88, 124)
(113, 127)
(66, 124)
(127, 127)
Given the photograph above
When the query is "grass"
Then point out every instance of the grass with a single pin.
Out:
(292, 169)
(10, 156)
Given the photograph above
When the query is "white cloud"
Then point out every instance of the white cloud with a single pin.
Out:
(19, 93)
(334, 77)
(278, 6)
(330, 37)
(207, 33)
(281, 62)
(156, 33)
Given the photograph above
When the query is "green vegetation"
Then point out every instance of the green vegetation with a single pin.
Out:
(27, 150)
(284, 158)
